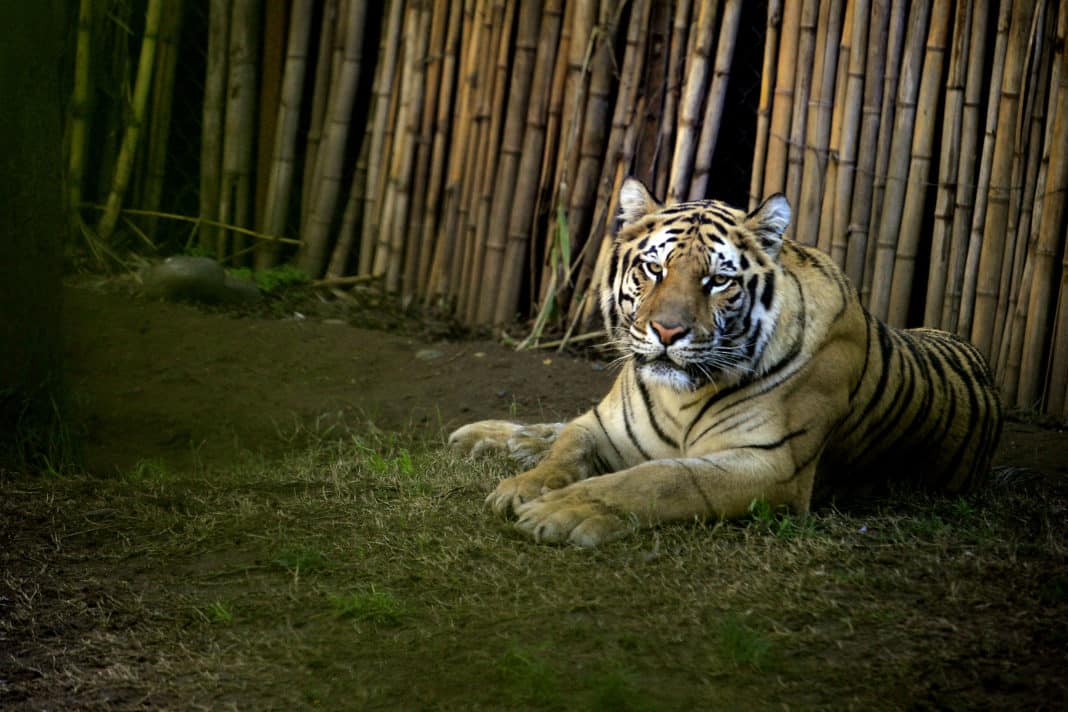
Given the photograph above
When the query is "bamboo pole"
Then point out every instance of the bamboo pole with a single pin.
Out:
(521, 213)
(341, 257)
(782, 103)
(673, 87)
(942, 234)
(235, 200)
(966, 171)
(162, 102)
(1030, 152)
(212, 118)
(653, 87)
(280, 180)
(898, 166)
(1057, 390)
(145, 65)
(806, 54)
(79, 113)
(908, 241)
(768, 78)
(413, 76)
(476, 206)
(846, 146)
(623, 117)
(272, 63)
(892, 69)
(818, 120)
(829, 180)
(969, 280)
(1052, 239)
(523, 65)
(320, 94)
(440, 15)
(446, 251)
(1000, 181)
(473, 284)
(693, 95)
(431, 241)
(859, 207)
(330, 162)
(376, 163)
(717, 94)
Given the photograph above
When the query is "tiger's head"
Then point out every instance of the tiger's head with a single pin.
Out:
(693, 290)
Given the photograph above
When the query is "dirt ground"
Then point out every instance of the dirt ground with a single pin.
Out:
(227, 549)
(169, 381)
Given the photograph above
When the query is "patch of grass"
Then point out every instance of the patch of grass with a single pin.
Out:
(778, 522)
(529, 677)
(615, 689)
(371, 605)
(217, 612)
(740, 646)
(273, 279)
(301, 560)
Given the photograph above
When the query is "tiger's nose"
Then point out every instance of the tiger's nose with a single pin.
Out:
(669, 334)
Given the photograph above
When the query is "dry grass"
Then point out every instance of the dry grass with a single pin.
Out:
(364, 573)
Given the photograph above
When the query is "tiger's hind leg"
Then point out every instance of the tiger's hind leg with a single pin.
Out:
(526, 444)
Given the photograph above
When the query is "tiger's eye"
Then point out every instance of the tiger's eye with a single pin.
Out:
(654, 269)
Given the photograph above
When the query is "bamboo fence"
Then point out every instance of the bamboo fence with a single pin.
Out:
(467, 155)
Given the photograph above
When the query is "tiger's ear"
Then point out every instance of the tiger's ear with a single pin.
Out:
(635, 201)
(768, 223)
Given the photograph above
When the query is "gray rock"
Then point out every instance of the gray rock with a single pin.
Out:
(197, 279)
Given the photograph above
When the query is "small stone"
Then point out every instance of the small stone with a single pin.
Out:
(429, 354)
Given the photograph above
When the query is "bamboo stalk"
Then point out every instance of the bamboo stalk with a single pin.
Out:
(520, 217)
(432, 243)
(693, 94)
(975, 241)
(280, 181)
(162, 103)
(623, 117)
(414, 250)
(908, 240)
(79, 113)
(829, 179)
(1000, 181)
(272, 62)
(591, 150)
(673, 87)
(476, 206)
(653, 86)
(892, 69)
(492, 159)
(1027, 162)
(212, 117)
(806, 54)
(1052, 240)
(235, 200)
(523, 65)
(898, 166)
(783, 102)
(942, 234)
(767, 82)
(341, 256)
(717, 94)
(124, 164)
(966, 171)
(859, 207)
(316, 233)
(818, 120)
(414, 83)
(836, 223)
(320, 94)
(384, 73)
(447, 245)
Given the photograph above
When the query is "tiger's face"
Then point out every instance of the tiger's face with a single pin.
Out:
(692, 292)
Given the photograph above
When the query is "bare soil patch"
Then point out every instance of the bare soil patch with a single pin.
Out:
(268, 520)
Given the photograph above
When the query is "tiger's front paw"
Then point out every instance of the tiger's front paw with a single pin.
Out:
(512, 492)
(485, 436)
(571, 515)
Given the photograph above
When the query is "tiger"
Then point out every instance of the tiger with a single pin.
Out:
(750, 371)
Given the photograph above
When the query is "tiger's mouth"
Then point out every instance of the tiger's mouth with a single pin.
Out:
(681, 376)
